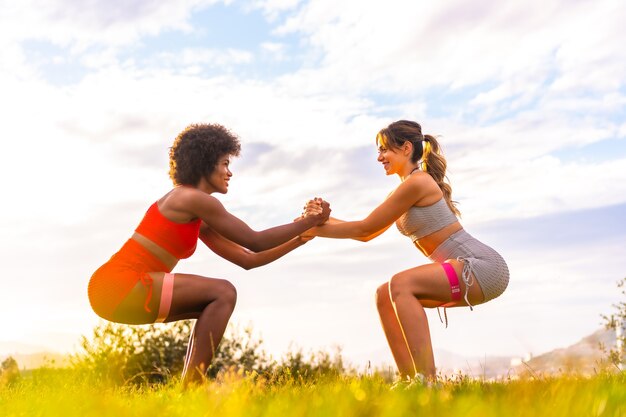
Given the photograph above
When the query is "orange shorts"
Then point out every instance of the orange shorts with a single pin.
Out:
(114, 280)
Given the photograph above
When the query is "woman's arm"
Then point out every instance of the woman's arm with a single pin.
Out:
(216, 217)
(332, 220)
(379, 220)
(243, 257)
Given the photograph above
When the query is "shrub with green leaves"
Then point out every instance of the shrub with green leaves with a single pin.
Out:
(123, 354)
(9, 372)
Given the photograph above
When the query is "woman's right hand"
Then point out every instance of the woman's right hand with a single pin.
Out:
(319, 208)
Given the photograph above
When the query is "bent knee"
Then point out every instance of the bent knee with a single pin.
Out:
(399, 285)
(228, 293)
(382, 295)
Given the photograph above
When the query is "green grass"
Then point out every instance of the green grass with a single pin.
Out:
(65, 392)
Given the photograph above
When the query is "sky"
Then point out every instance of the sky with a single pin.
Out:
(528, 100)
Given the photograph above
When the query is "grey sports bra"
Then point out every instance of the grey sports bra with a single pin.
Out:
(418, 222)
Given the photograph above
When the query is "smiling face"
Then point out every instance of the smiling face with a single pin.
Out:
(395, 161)
(218, 180)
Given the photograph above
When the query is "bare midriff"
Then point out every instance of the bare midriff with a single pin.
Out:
(161, 254)
(428, 244)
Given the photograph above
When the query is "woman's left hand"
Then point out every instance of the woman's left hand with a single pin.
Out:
(312, 208)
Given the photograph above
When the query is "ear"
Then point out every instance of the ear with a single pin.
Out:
(407, 148)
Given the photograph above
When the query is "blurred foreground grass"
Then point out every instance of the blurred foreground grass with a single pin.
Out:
(67, 392)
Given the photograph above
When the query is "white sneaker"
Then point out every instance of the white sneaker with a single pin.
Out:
(409, 382)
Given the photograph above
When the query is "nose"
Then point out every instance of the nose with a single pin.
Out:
(380, 157)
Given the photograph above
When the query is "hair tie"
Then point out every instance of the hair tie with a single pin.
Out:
(425, 154)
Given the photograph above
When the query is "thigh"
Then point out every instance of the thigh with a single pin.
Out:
(192, 294)
(132, 309)
(429, 283)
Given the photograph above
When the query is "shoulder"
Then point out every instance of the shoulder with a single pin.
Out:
(181, 197)
(420, 182)
(419, 187)
(188, 203)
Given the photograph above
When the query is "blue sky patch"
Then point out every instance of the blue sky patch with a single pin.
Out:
(54, 63)
(602, 151)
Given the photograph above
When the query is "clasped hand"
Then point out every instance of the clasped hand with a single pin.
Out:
(315, 207)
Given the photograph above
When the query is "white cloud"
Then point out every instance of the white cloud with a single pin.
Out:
(277, 51)
(405, 47)
(80, 25)
(272, 9)
(205, 57)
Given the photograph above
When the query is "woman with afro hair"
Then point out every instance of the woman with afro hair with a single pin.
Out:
(136, 285)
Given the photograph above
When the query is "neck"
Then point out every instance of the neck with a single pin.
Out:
(403, 178)
(205, 186)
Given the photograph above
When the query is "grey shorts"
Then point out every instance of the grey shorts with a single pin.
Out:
(487, 266)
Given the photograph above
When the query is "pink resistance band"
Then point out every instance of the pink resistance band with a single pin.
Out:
(166, 297)
(455, 288)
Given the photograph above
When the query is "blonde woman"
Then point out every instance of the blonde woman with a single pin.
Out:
(464, 271)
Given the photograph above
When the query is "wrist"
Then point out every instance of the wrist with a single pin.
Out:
(310, 221)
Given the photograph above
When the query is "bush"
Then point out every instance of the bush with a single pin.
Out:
(122, 354)
(155, 353)
(9, 372)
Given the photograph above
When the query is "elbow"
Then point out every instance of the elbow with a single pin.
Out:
(364, 234)
(247, 260)
(251, 260)
(365, 238)
(247, 264)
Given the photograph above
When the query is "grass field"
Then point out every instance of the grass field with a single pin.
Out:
(66, 392)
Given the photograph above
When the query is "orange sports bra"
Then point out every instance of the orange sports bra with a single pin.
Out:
(179, 239)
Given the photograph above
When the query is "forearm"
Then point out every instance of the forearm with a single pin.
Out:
(271, 238)
(342, 230)
(334, 221)
(256, 259)
(371, 236)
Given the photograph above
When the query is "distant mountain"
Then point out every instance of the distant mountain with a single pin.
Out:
(583, 357)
